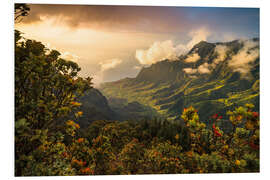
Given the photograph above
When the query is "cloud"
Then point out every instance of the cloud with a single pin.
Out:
(190, 70)
(242, 61)
(159, 51)
(64, 55)
(198, 35)
(105, 66)
(97, 79)
(69, 56)
(109, 64)
(204, 69)
(221, 51)
(115, 69)
(128, 18)
(192, 58)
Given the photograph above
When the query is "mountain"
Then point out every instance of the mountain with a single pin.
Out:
(212, 77)
(131, 110)
(95, 106)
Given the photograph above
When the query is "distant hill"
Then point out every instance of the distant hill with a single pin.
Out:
(131, 110)
(213, 77)
(95, 106)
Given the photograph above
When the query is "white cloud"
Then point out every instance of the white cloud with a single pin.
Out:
(204, 68)
(248, 54)
(69, 56)
(221, 51)
(109, 64)
(190, 70)
(64, 55)
(198, 35)
(159, 51)
(192, 58)
(97, 79)
(105, 66)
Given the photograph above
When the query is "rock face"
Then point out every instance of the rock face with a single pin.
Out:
(212, 77)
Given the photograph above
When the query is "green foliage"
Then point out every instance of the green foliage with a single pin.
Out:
(47, 89)
(132, 158)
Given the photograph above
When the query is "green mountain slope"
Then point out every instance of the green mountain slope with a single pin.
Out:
(168, 86)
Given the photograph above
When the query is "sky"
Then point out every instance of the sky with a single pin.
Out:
(114, 42)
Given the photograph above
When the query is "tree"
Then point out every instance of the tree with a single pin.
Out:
(46, 89)
(20, 10)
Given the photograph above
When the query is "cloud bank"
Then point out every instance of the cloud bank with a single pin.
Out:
(114, 69)
(242, 61)
(127, 18)
(202, 69)
(159, 51)
(105, 66)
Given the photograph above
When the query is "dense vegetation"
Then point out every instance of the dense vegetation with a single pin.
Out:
(47, 90)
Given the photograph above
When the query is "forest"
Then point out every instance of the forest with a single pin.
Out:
(51, 141)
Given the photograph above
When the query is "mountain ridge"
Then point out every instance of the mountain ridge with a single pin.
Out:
(202, 78)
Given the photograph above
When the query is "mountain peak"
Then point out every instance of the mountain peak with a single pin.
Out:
(202, 48)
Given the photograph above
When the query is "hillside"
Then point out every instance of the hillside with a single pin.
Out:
(212, 77)
(95, 106)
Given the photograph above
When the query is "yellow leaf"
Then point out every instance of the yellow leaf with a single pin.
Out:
(177, 136)
(80, 113)
(237, 162)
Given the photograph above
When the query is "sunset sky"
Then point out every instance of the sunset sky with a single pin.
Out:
(114, 42)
